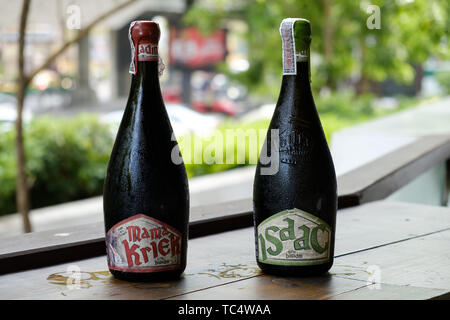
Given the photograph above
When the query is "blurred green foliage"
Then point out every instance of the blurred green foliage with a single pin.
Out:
(234, 144)
(444, 80)
(343, 47)
(337, 111)
(66, 160)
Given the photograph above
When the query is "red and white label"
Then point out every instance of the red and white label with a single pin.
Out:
(143, 244)
(147, 52)
(288, 45)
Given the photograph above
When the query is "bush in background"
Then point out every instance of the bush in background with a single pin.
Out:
(444, 81)
(66, 160)
(240, 152)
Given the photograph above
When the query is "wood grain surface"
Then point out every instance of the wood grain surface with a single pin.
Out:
(384, 250)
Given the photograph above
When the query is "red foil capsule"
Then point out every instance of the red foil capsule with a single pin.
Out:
(144, 37)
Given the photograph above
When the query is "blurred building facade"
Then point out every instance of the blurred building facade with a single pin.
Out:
(96, 69)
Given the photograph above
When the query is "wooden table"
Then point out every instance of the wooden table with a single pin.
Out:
(384, 250)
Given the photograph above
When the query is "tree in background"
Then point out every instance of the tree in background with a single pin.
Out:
(22, 189)
(410, 32)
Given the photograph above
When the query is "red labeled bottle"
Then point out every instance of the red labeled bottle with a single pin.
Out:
(146, 196)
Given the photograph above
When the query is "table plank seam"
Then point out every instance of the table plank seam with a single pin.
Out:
(443, 296)
(211, 287)
(348, 291)
(393, 242)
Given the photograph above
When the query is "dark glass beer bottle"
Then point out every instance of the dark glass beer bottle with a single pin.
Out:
(295, 194)
(146, 197)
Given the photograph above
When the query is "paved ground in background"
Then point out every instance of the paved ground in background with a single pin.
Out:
(350, 147)
(367, 141)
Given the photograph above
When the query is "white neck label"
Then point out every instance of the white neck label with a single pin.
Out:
(288, 43)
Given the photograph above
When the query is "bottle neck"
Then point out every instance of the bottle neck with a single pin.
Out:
(146, 77)
(147, 70)
(145, 86)
(301, 80)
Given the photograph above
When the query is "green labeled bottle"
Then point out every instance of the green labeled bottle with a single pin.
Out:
(295, 193)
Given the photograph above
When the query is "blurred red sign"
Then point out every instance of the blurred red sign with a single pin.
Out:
(191, 49)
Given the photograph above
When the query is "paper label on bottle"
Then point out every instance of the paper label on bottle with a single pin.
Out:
(290, 55)
(143, 244)
(147, 52)
(293, 237)
(288, 45)
(133, 62)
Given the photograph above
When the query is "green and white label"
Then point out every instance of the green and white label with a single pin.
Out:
(295, 39)
(294, 237)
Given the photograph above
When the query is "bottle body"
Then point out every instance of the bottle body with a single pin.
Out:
(146, 196)
(295, 207)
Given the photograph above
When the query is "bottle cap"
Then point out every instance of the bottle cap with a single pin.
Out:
(144, 37)
(302, 35)
(145, 31)
(296, 38)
